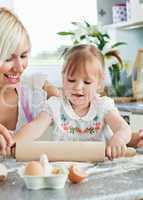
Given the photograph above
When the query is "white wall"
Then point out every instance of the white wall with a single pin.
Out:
(7, 3)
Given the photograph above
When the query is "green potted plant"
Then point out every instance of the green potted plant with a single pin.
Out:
(84, 32)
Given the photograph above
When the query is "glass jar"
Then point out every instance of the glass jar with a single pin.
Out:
(137, 75)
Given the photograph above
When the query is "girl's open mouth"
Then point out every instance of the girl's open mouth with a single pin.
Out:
(78, 95)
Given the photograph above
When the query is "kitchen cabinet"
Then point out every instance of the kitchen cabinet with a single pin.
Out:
(104, 14)
(130, 31)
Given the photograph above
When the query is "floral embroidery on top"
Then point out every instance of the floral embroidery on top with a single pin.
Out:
(69, 128)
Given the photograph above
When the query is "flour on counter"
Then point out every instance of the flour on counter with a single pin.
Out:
(119, 166)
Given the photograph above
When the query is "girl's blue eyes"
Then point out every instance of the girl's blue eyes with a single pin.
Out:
(86, 82)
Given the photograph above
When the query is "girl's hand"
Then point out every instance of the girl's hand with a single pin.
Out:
(113, 152)
(115, 148)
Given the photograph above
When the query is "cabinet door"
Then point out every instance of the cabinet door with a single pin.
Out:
(104, 9)
(136, 122)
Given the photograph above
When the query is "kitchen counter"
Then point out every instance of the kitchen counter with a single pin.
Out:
(121, 179)
(136, 107)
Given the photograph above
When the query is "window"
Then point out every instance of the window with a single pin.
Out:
(43, 19)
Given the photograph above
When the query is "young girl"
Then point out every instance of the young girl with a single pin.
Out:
(80, 113)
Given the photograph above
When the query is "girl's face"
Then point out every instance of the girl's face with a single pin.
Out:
(12, 68)
(81, 87)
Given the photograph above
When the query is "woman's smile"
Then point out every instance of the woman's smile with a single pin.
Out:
(12, 78)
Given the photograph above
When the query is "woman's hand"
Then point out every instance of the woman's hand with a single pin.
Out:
(116, 148)
(136, 140)
(6, 140)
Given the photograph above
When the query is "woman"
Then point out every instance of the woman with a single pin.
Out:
(14, 50)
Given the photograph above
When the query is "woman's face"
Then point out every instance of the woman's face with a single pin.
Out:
(12, 68)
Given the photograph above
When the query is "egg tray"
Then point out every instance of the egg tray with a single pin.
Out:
(52, 181)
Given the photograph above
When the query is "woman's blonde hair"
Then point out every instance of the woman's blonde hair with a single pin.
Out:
(12, 32)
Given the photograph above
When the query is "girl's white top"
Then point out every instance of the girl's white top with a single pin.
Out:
(67, 125)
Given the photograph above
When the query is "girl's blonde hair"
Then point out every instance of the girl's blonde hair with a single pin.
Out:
(12, 32)
(78, 56)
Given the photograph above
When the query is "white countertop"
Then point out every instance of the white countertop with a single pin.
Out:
(121, 179)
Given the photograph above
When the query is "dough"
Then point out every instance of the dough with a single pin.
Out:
(130, 152)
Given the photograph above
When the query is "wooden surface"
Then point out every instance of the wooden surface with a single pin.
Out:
(127, 99)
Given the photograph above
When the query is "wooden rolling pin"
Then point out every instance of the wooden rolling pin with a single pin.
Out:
(61, 151)
(64, 151)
